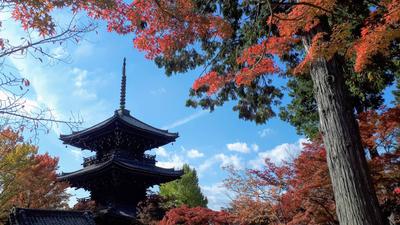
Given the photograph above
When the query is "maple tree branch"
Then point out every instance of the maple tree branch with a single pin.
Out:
(16, 110)
(306, 4)
(167, 11)
(18, 113)
(67, 34)
(322, 205)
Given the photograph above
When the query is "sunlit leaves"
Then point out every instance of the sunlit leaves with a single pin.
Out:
(184, 191)
(196, 216)
(300, 191)
(27, 179)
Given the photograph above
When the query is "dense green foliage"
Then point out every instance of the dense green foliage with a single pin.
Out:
(257, 102)
(185, 191)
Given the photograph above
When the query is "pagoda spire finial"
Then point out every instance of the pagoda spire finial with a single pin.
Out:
(123, 87)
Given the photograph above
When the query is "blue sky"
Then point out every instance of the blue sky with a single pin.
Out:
(88, 85)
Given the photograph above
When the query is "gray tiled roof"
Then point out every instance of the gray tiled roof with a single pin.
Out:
(23, 216)
(135, 167)
(124, 118)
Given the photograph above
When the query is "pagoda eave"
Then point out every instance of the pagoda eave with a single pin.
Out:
(120, 125)
(122, 118)
(159, 174)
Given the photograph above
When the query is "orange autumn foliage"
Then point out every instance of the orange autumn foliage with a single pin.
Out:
(171, 25)
(300, 191)
(28, 179)
(162, 27)
(380, 29)
(39, 186)
(195, 216)
(380, 130)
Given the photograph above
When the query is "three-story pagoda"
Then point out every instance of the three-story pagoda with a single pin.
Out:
(120, 172)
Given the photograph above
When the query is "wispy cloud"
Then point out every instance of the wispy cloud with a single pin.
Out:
(194, 153)
(241, 147)
(52, 84)
(218, 195)
(285, 151)
(84, 49)
(77, 153)
(81, 84)
(185, 120)
(222, 160)
(174, 161)
(265, 132)
(255, 147)
(161, 151)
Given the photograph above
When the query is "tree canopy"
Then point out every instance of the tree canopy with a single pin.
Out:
(184, 191)
(347, 50)
(27, 179)
(196, 216)
(300, 191)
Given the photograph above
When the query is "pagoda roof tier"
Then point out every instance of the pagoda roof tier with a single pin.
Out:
(122, 130)
(153, 174)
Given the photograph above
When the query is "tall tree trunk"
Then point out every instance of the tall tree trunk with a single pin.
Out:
(356, 201)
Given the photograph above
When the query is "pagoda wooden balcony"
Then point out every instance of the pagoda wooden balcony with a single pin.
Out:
(144, 159)
(83, 200)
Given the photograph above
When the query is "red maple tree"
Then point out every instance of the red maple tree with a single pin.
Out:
(300, 192)
(196, 216)
(321, 35)
(28, 179)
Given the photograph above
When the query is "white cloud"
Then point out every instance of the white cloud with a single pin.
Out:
(77, 153)
(75, 194)
(174, 161)
(265, 132)
(59, 52)
(206, 165)
(255, 147)
(222, 160)
(51, 84)
(232, 160)
(194, 153)
(286, 151)
(160, 151)
(52, 92)
(185, 120)
(217, 195)
(169, 160)
(238, 147)
(81, 84)
(84, 49)
(80, 77)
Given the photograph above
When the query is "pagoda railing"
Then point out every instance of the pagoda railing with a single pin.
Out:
(83, 200)
(149, 158)
(145, 159)
(87, 161)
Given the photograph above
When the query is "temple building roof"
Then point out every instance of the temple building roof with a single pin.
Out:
(134, 167)
(120, 130)
(120, 172)
(23, 216)
(126, 127)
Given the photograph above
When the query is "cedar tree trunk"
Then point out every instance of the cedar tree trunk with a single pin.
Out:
(356, 201)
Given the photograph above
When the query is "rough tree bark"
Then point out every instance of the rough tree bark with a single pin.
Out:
(356, 201)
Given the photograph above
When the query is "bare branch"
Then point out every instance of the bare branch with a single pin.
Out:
(16, 110)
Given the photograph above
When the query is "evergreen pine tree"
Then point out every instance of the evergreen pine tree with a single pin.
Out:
(185, 191)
